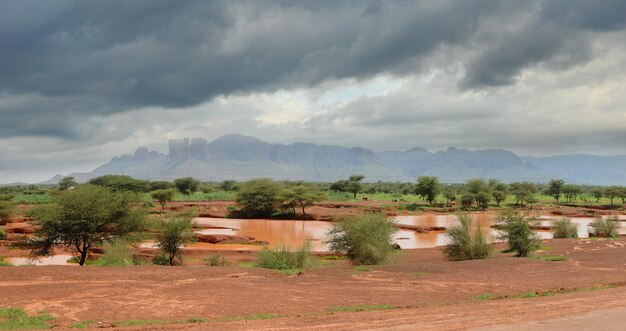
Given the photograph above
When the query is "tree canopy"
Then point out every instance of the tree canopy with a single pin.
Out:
(84, 218)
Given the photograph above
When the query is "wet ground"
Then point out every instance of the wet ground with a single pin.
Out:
(422, 288)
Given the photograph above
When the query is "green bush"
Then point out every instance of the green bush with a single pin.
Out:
(564, 228)
(216, 260)
(465, 246)
(118, 254)
(515, 230)
(605, 227)
(175, 232)
(7, 209)
(3, 234)
(258, 197)
(365, 239)
(286, 258)
(161, 259)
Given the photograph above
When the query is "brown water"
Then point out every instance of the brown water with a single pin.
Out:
(295, 233)
(276, 232)
(60, 259)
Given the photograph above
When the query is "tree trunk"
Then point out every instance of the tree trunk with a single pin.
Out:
(303, 213)
(171, 260)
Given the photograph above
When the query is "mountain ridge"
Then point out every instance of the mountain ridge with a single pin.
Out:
(241, 157)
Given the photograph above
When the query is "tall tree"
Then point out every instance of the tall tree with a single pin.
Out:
(163, 197)
(259, 197)
(186, 185)
(354, 185)
(301, 195)
(555, 188)
(66, 183)
(428, 187)
(83, 218)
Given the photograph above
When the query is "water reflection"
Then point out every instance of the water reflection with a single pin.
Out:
(295, 233)
(60, 259)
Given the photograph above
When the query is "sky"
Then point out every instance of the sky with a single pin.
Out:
(83, 81)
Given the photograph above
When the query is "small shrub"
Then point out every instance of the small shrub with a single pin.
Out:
(161, 259)
(216, 260)
(359, 308)
(564, 228)
(605, 227)
(176, 231)
(7, 209)
(3, 234)
(465, 246)
(551, 258)
(365, 239)
(231, 208)
(118, 254)
(515, 230)
(286, 258)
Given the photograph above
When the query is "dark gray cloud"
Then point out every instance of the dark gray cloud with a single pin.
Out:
(98, 58)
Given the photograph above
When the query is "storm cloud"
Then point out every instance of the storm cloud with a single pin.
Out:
(76, 74)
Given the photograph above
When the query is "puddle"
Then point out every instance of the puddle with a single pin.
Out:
(276, 232)
(60, 259)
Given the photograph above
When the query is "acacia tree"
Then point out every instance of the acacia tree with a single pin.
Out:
(524, 192)
(163, 197)
(449, 194)
(186, 185)
(597, 193)
(571, 192)
(174, 233)
(258, 197)
(555, 188)
(83, 218)
(498, 190)
(66, 183)
(428, 187)
(302, 195)
(354, 185)
(612, 192)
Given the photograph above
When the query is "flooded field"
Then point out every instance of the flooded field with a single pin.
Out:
(296, 233)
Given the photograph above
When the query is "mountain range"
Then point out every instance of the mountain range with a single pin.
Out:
(241, 157)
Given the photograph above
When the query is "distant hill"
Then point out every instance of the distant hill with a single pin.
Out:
(241, 157)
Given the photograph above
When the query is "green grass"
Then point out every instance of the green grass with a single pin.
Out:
(484, 297)
(83, 324)
(33, 198)
(527, 295)
(286, 259)
(17, 319)
(341, 309)
(212, 196)
(4, 263)
(551, 258)
(360, 269)
(333, 257)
